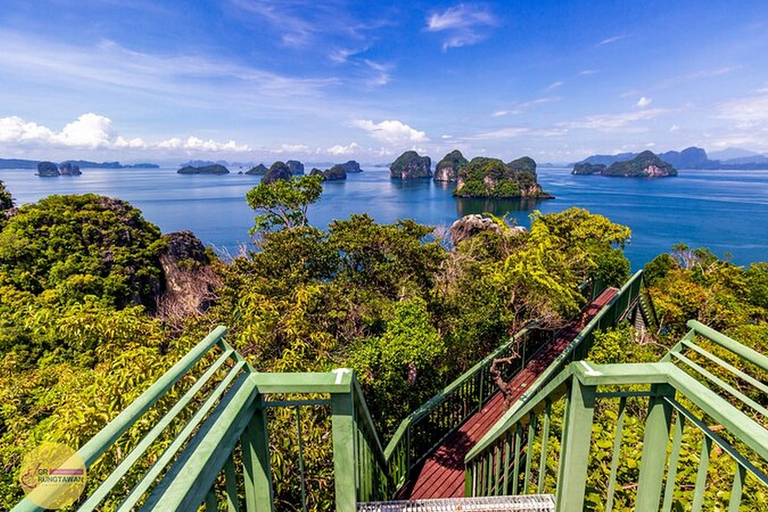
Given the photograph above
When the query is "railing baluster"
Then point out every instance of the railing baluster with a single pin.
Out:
(615, 455)
(529, 452)
(301, 459)
(210, 502)
(544, 443)
(230, 481)
(516, 473)
(701, 476)
(674, 458)
(507, 455)
(497, 469)
(737, 489)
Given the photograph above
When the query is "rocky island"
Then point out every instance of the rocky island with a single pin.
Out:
(448, 168)
(335, 173)
(277, 171)
(259, 170)
(51, 170)
(295, 166)
(205, 169)
(644, 165)
(492, 178)
(351, 166)
(410, 165)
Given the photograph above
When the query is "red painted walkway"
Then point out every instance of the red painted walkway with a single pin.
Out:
(442, 473)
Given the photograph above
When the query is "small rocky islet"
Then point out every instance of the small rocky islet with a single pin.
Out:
(51, 170)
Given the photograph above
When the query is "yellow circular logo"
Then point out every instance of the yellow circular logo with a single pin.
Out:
(52, 475)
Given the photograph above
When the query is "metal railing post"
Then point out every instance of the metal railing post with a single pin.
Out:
(257, 472)
(574, 451)
(654, 457)
(344, 463)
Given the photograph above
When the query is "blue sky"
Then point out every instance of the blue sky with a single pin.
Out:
(330, 80)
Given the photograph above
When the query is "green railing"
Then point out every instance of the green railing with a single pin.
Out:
(685, 422)
(427, 427)
(211, 445)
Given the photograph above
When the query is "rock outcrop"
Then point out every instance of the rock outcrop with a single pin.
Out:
(586, 168)
(410, 165)
(259, 170)
(351, 166)
(48, 170)
(644, 165)
(448, 168)
(278, 171)
(471, 225)
(189, 284)
(295, 166)
(492, 178)
(204, 169)
(69, 169)
(337, 172)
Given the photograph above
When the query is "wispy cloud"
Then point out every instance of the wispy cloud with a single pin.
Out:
(391, 131)
(610, 40)
(463, 25)
(300, 22)
(614, 122)
(554, 85)
(746, 111)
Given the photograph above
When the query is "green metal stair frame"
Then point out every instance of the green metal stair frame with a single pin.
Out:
(229, 403)
(688, 392)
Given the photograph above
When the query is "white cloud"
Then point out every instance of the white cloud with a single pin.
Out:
(610, 40)
(92, 131)
(343, 150)
(392, 131)
(587, 72)
(674, 128)
(194, 143)
(293, 148)
(644, 102)
(462, 24)
(15, 129)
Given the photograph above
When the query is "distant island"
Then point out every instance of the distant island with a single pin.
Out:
(17, 163)
(644, 165)
(204, 169)
(689, 158)
(492, 178)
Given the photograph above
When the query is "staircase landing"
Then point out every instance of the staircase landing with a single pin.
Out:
(528, 503)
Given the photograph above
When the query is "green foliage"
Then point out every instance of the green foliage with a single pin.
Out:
(392, 364)
(6, 199)
(694, 284)
(490, 177)
(283, 203)
(79, 246)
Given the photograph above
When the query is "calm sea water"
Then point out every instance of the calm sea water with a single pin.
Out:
(726, 211)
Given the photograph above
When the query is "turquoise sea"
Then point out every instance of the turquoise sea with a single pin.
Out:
(726, 211)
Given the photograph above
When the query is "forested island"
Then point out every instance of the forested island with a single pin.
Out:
(97, 303)
(481, 177)
(644, 165)
(203, 169)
